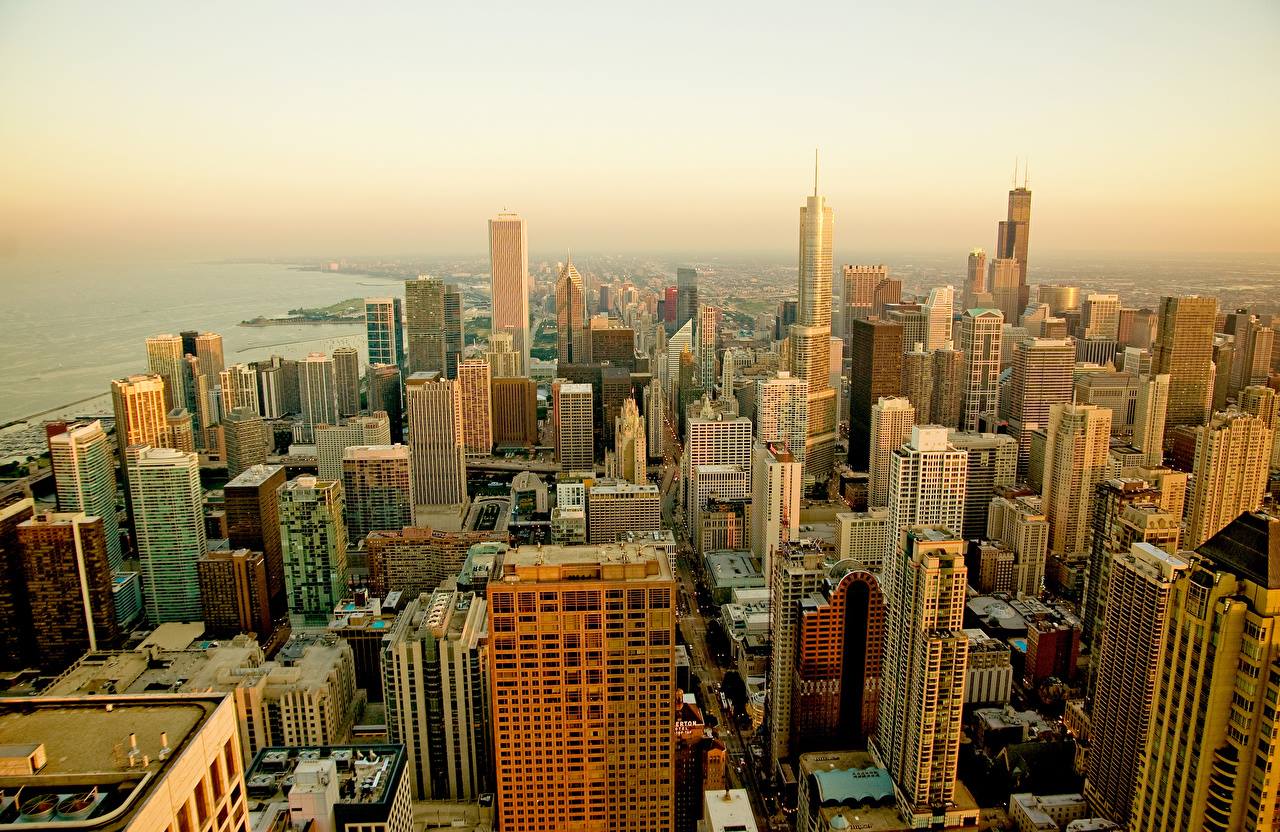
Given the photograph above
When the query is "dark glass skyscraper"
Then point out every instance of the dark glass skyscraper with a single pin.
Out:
(686, 295)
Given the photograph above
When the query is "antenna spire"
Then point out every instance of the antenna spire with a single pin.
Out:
(815, 171)
(1026, 175)
(1015, 171)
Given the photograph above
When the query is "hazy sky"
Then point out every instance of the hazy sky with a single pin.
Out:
(245, 129)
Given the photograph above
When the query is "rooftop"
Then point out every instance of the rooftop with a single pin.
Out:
(367, 774)
(610, 561)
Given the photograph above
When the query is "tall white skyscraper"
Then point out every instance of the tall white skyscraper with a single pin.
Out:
(1148, 418)
(509, 282)
(891, 422)
(629, 443)
(811, 335)
(168, 529)
(782, 412)
(164, 358)
(318, 388)
(436, 439)
(927, 480)
(1075, 460)
(84, 475)
(981, 332)
(1042, 377)
(1232, 461)
(939, 310)
(1101, 317)
(574, 417)
(239, 388)
(777, 482)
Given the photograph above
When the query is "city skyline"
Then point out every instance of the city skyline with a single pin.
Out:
(239, 184)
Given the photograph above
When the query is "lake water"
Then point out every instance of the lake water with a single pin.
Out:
(65, 332)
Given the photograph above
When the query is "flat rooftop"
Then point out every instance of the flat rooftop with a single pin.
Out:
(367, 774)
(254, 476)
(610, 561)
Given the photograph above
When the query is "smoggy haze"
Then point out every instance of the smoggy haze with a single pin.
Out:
(285, 128)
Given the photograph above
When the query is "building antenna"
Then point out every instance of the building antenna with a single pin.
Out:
(1026, 174)
(815, 171)
(1015, 172)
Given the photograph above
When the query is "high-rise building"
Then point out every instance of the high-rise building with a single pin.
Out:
(835, 701)
(706, 352)
(84, 477)
(415, 559)
(477, 409)
(1101, 317)
(614, 345)
(1149, 416)
(1232, 463)
(436, 440)
(811, 335)
(437, 693)
(923, 673)
(168, 530)
(509, 283)
(1184, 351)
(1137, 613)
(318, 390)
(714, 440)
(1075, 461)
(270, 393)
(686, 296)
(179, 430)
(927, 484)
(1264, 403)
(946, 397)
(981, 332)
(629, 437)
(313, 538)
(1042, 377)
(798, 572)
(573, 417)
(782, 412)
(386, 393)
(164, 358)
(68, 586)
(247, 439)
(17, 631)
(138, 402)
(234, 595)
(453, 331)
(253, 523)
(891, 422)
(977, 291)
(992, 465)
(332, 441)
(504, 361)
(1018, 523)
(571, 315)
(207, 348)
(377, 489)
(384, 330)
(917, 382)
(1207, 754)
(777, 480)
(346, 371)
(1013, 235)
(860, 284)
(876, 372)
(938, 311)
(610, 701)
(515, 412)
(616, 508)
(424, 324)
(238, 387)
(1059, 298)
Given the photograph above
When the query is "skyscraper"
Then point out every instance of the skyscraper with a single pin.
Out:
(782, 412)
(811, 335)
(992, 465)
(504, 361)
(68, 586)
(1208, 759)
(945, 400)
(1075, 461)
(377, 489)
(253, 523)
(860, 284)
(436, 440)
(927, 484)
(332, 441)
(1136, 615)
(571, 315)
(384, 330)
(923, 672)
(313, 538)
(164, 358)
(239, 388)
(876, 372)
(706, 354)
(477, 408)
(1149, 417)
(515, 412)
(629, 441)
(939, 310)
(613, 509)
(138, 402)
(1042, 377)
(234, 594)
(84, 476)
(509, 283)
(386, 394)
(798, 572)
(977, 291)
(686, 296)
(573, 417)
(1184, 350)
(777, 480)
(891, 422)
(318, 390)
(247, 439)
(346, 370)
(981, 331)
(1232, 463)
(1101, 319)
(425, 324)
(610, 701)
(168, 529)
(209, 357)
(453, 330)
(1014, 233)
